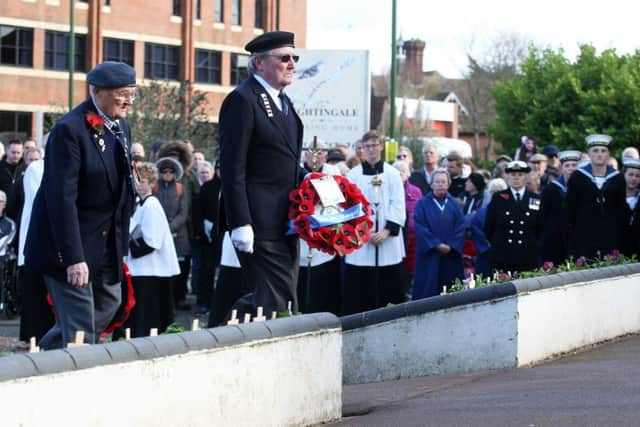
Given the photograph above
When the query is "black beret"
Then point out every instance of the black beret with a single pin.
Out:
(112, 74)
(270, 40)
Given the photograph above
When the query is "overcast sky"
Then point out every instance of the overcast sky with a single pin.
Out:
(451, 28)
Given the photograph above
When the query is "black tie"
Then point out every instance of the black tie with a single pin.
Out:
(116, 130)
(283, 102)
(517, 196)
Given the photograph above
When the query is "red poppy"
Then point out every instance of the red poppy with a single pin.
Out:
(505, 196)
(306, 207)
(295, 196)
(363, 232)
(301, 223)
(348, 231)
(339, 244)
(95, 122)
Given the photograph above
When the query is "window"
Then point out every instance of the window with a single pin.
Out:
(17, 123)
(208, 66)
(176, 8)
(118, 50)
(56, 51)
(198, 10)
(236, 19)
(161, 61)
(239, 68)
(218, 11)
(259, 21)
(16, 46)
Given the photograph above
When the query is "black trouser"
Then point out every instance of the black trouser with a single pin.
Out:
(273, 269)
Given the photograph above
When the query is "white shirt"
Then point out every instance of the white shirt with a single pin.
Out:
(520, 192)
(392, 207)
(273, 92)
(163, 261)
(31, 183)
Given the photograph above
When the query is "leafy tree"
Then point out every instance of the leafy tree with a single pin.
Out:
(500, 61)
(559, 102)
(165, 111)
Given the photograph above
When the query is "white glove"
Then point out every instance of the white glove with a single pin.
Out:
(242, 238)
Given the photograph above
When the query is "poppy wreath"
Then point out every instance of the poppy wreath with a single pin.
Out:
(342, 238)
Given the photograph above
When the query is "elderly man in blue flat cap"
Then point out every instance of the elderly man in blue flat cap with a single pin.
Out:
(260, 146)
(79, 229)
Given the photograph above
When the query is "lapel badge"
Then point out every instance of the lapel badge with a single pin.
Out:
(267, 104)
(101, 144)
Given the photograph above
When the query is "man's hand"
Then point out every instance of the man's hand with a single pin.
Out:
(379, 237)
(78, 275)
(242, 238)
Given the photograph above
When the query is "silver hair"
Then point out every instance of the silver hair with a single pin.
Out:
(496, 184)
(401, 166)
(3, 196)
(205, 165)
(441, 172)
(428, 145)
(251, 65)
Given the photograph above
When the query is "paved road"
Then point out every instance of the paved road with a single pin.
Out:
(600, 387)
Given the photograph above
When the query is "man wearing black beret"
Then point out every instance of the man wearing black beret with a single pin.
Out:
(260, 145)
(78, 234)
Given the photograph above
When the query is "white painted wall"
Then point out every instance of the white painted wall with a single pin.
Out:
(291, 381)
(474, 337)
(560, 319)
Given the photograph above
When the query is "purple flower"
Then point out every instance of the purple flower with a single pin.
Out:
(614, 256)
(580, 262)
(547, 266)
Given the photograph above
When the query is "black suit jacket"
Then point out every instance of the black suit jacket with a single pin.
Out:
(80, 210)
(259, 163)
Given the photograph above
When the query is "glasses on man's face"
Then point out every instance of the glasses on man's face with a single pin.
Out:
(401, 156)
(286, 58)
(126, 95)
(370, 146)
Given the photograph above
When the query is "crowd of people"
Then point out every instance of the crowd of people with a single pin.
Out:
(218, 228)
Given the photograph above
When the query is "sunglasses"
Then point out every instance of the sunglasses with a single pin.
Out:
(401, 156)
(286, 58)
(167, 171)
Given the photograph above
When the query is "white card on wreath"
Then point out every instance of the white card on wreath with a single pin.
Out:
(328, 191)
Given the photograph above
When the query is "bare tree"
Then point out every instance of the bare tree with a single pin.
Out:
(500, 60)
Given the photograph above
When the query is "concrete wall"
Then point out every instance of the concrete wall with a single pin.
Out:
(473, 337)
(563, 318)
(285, 372)
(497, 327)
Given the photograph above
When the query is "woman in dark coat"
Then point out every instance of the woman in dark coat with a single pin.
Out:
(440, 228)
(171, 194)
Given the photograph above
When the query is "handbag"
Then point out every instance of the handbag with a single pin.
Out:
(137, 245)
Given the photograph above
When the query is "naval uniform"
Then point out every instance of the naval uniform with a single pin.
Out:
(554, 218)
(513, 229)
(594, 212)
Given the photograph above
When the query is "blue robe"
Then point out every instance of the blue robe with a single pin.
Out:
(433, 226)
(482, 262)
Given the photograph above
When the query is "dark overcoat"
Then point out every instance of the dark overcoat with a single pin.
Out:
(84, 203)
(259, 161)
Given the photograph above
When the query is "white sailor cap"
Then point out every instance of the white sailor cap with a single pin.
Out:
(629, 162)
(598, 139)
(569, 156)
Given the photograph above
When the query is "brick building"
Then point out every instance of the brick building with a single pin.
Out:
(201, 41)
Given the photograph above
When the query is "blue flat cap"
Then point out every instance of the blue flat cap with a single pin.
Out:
(111, 74)
(270, 40)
